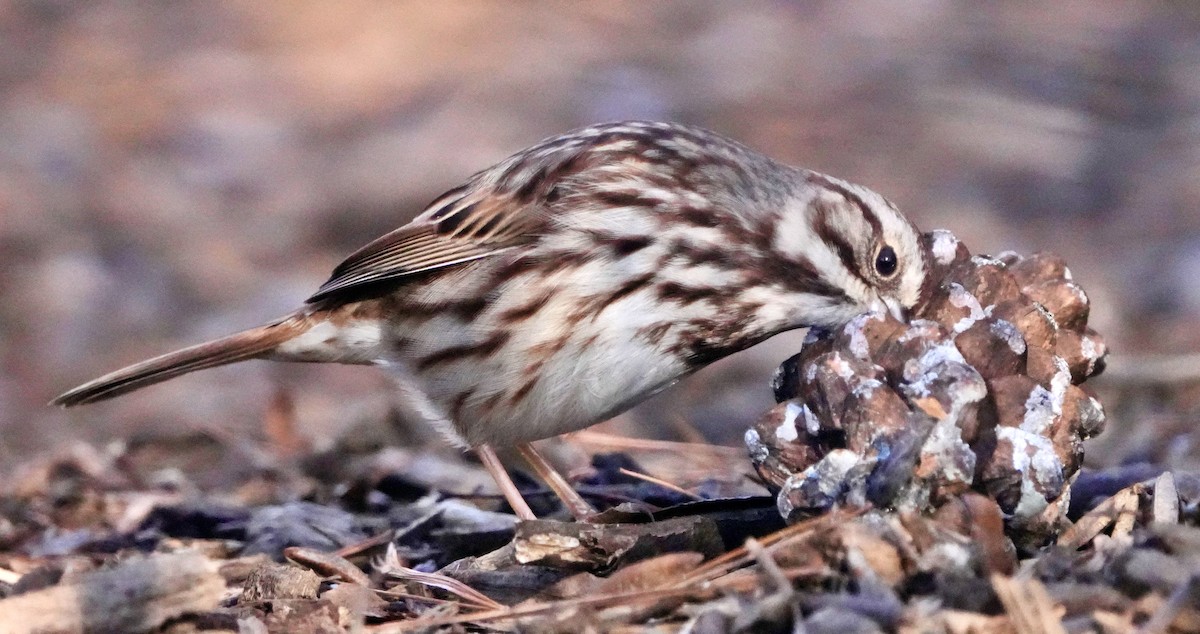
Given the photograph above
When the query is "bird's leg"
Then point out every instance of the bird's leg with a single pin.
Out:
(507, 487)
(575, 503)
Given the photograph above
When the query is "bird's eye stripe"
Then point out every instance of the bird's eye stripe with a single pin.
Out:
(868, 214)
(835, 241)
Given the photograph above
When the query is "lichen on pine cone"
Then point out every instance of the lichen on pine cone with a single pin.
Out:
(980, 390)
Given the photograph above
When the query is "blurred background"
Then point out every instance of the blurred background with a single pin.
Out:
(171, 172)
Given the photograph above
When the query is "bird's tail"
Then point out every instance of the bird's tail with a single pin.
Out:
(248, 344)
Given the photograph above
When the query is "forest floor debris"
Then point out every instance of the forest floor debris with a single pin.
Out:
(86, 547)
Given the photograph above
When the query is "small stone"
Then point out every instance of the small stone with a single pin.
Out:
(834, 620)
(1142, 569)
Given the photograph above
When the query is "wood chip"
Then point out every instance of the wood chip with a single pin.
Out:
(599, 547)
(1028, 605)
(1101, 517)
(1166, 500)
(650, 573)
(1126, 506)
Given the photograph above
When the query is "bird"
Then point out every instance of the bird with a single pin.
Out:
(576, 278)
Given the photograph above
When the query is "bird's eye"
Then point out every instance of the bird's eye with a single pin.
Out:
(886, 262)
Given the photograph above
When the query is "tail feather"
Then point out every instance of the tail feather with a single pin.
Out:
(248, 344)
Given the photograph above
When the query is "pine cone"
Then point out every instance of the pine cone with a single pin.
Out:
(980, 390)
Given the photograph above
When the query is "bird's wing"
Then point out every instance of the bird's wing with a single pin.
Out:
(498, 210)
(471, 227)
(505, 207)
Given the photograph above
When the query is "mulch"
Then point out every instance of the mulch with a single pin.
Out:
(94, 541)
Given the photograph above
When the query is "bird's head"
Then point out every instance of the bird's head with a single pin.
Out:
(861, 252)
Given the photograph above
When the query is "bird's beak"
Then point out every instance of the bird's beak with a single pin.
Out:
(896, 309)
(891, 306)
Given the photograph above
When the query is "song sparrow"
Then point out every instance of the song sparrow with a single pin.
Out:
(578, 277)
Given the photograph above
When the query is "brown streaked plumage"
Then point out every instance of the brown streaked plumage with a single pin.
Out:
(579, 276)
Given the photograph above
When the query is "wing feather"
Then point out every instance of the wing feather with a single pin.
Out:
(479, 223)
(503, 208)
